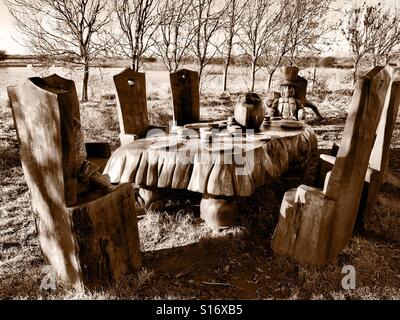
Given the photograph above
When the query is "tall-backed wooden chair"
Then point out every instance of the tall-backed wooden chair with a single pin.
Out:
(379, 159)
(97, 152)
(132, 105)
(89, 236)
(185, 96)
(316, 224)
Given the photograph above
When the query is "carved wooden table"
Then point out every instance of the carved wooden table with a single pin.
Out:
(219, 176)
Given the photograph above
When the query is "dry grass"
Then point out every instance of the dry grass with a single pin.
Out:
(181, 256)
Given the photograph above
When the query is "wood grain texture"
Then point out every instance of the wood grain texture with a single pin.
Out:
(193, 167)
(106, 235)
(304, 227)
(185, 96)
(37, 118)
(379, 159)
(132, 103)
(301, 90)
(344, 184)
(347, 177)
(44, 115)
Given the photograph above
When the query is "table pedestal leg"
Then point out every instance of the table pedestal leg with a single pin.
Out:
(150, 199)
(218, 213)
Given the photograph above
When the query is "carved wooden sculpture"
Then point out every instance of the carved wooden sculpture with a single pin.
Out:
(185, 96)
(314, 224)
(89, 238)
(379, 159)
(300, 94)
(132, 105)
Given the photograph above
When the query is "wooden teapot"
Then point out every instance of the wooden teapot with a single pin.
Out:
(249, 112)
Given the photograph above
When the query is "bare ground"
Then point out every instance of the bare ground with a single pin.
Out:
(182, 258)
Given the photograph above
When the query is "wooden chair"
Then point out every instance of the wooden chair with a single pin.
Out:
(132, 106)
(97, 152)
(316, 224)
(379, 159)
(185, 96)
(89, 238)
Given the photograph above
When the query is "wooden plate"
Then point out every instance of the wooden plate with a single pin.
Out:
(291, 124)
(166, 145)
(258, 137)
(198, 125)
(220, 147)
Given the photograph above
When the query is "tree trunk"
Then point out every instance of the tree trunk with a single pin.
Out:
(201, 68)
(356, 66)
(271, 74)
(313, 81)
(200, 71)
(225, 74)
(253, 74)
(135, 63)
(226, 67)
(225, 79)
(85, 82)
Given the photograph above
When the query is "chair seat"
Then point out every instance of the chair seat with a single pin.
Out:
(100, 162)
(328, 159)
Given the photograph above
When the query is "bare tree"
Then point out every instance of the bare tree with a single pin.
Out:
(206, 19)
(137, 21)
(175, 32)
(372, 30)
(300, 29)
(307, 28)
(231, 24)
(385, 35)
(260, 24)
(62, 30)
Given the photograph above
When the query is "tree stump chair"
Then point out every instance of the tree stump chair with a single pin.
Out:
(379, 159)
(132, 106)
(88, 234)
(316, 224)
(185, 96)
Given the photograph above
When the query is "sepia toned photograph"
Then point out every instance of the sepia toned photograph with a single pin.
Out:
(215, 150)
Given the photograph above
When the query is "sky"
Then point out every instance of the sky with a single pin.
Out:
(9, 35)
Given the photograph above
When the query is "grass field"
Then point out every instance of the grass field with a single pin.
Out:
(181, 256)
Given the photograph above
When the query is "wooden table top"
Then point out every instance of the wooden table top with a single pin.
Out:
(192, 166)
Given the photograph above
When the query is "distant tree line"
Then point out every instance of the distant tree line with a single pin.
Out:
(261, 34)
(3, 55)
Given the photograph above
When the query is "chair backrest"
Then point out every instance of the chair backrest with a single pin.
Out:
(346, 180)
(185, 96)
(55, 81)
(379, 159)
(132, 104)
(301, 89)
(44, 118)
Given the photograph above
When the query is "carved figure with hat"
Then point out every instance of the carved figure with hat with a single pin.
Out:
(287, 106)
